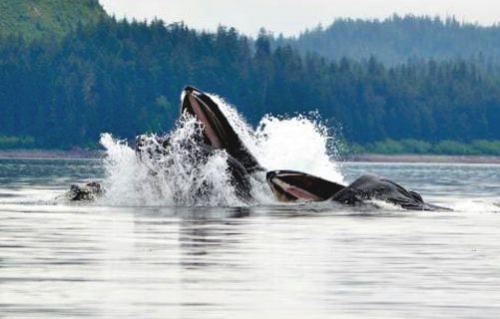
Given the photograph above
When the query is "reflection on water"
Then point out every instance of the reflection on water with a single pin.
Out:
(59, 260)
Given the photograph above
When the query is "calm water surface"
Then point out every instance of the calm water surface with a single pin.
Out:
(302, 261)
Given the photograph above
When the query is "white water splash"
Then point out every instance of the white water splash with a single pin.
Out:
(296, 143)
(177, 178)
(475, 205)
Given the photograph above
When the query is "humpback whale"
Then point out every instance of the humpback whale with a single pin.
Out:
(294, 186)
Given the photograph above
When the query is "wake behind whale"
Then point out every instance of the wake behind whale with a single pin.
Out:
(176, 166)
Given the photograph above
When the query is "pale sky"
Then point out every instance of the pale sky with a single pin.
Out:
(292, 16)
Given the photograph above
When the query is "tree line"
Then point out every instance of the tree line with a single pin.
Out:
(396, 39)
(125, 78)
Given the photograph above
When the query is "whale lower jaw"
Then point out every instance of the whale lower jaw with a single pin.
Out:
(290, 185)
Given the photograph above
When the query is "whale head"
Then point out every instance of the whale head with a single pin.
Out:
(217, 131)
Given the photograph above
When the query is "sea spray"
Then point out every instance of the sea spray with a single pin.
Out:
(297, 143)
(177, 177)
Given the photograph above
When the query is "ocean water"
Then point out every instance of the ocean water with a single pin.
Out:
(130, 258)
(152, 247)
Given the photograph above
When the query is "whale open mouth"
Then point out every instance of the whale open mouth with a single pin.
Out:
(293, 186)
(199, 105)
(217, 130)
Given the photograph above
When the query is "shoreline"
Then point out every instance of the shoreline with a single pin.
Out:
(370, 158)
(413, 158)
(51, 154)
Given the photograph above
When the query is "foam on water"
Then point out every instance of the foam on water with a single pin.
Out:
(296, 143)
(475, 205)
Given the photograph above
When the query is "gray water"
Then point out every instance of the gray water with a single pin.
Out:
(60, 260)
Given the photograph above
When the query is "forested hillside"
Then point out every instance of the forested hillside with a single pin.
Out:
(125, 78)
(41, 18)
(397, 39)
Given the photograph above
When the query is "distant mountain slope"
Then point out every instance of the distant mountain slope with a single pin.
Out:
(33, 18)
(397, 39)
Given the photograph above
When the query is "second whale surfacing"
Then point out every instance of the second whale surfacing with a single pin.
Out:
(297, 186)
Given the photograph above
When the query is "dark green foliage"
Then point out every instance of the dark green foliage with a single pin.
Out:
(32, 19)
(125, 78)
(486, 147)
(397, 39)
(13, 142)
